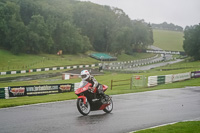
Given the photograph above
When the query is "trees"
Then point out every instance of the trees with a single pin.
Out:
(110, 29)
(143, 35)
(191, 44)
(13, 31)
(96, 22)
(34, 26)
(167, 26)
(70, 40)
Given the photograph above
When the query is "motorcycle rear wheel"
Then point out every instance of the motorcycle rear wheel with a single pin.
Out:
(84, 109)
(109, 108)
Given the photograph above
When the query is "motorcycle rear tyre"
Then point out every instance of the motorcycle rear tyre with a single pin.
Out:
(109, 108)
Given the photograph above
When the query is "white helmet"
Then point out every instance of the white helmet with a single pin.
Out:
(85, 75)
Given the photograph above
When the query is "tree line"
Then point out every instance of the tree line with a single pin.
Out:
(191, 44)
(166, 26)
(35, 26)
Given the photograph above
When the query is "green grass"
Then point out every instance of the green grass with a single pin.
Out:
(172, 69)
(181, 127)
(104, 79)
(26, 100)
(168, 40)
(9, 61)
(135, 56)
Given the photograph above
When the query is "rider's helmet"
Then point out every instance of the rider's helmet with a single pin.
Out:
(85, 75)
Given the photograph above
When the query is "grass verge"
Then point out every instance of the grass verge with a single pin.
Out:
(26, 100)
(181, 127)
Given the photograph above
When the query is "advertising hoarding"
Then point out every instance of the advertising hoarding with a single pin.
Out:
(45, 89)
(65, 88)
(17, 91)
(195, 74)
(181, 76)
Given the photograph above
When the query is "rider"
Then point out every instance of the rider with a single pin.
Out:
(85, 76)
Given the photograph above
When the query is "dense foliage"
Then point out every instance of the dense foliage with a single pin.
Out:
(166, 26)
(191, 44)
(34, 26)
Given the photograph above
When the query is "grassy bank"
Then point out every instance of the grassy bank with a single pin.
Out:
(181, 127)
(168, 40)
(9, 61)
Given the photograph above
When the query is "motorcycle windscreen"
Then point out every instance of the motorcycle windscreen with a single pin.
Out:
(82, 84)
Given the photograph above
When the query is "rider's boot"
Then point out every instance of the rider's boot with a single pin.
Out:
(104, 97)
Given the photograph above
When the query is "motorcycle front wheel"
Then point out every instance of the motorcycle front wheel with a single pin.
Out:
(84, 109)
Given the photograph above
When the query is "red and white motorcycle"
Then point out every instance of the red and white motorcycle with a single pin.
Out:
(88, 100)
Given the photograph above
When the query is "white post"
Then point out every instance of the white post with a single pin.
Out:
(6, 93)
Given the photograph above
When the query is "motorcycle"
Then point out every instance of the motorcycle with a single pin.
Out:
(89, 100)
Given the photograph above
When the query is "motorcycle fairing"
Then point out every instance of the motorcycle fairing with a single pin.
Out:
(103, 106)
(84, 99)
(105, 87)
(85, 88)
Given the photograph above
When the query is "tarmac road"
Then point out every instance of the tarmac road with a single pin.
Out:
(131, 112)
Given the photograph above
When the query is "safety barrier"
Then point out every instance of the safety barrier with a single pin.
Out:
(4, 93)
(195, 74)
(130, 64)
(165, 79)
(47, 69)
(31, 90)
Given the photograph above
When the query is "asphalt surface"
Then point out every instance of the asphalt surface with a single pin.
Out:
(131, 112)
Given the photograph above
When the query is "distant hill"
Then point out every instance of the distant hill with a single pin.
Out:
(168, 40)
(166, 26)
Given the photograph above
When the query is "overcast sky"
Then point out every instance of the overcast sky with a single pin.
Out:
(178, 12)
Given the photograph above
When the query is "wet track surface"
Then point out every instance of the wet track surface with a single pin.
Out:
(131, 112)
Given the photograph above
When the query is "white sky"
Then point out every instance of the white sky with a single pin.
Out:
(178, 12)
